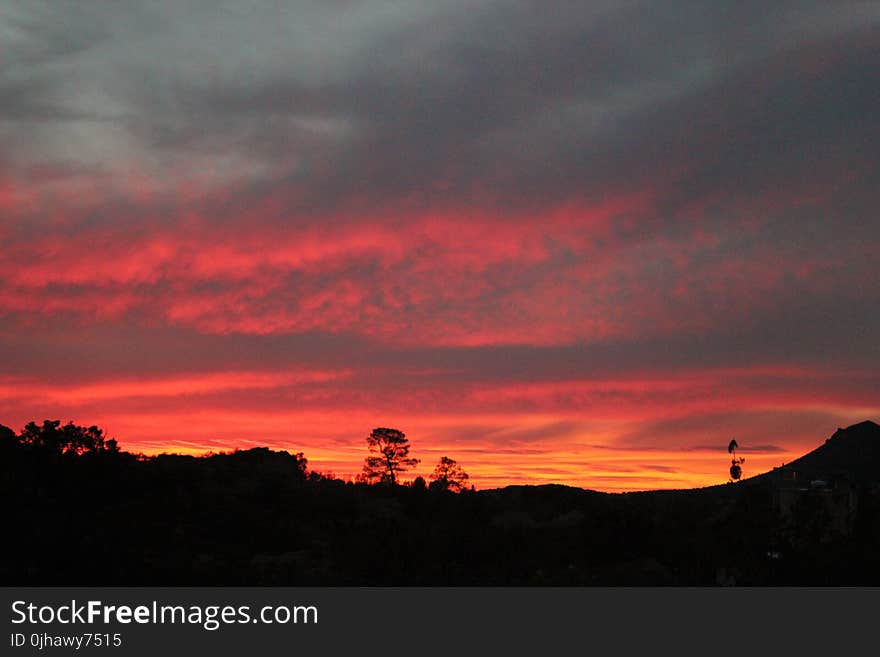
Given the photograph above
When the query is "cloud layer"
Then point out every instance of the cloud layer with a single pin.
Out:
(551, 242)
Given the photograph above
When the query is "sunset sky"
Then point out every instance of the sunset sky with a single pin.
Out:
(575, 242)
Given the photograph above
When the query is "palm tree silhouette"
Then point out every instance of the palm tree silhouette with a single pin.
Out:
(735, 463)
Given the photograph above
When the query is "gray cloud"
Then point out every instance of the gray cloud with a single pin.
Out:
(740, 425)
(451, 99)
(808, 339)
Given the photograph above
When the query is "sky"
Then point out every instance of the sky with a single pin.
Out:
(573, 242)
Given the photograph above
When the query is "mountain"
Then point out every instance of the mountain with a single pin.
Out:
(851, 454)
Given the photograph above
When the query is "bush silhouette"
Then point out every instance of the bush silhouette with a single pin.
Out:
(449, 475)
(70, 439)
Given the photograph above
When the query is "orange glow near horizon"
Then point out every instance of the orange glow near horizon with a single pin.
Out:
(642, 436)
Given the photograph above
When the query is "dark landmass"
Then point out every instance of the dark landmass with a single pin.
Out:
(92, 515)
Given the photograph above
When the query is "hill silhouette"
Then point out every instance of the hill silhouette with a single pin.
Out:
(852, 453)
(79, 511)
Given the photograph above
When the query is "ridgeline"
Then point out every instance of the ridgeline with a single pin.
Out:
(93, 515)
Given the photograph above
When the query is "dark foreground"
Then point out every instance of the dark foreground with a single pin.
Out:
(257, 517)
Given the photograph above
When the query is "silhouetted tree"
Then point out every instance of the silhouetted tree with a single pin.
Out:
(735, 463)
(449, 475)
(8, 441)
(392, 457)
(419, 484)
(7, 435)
(69, 439)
